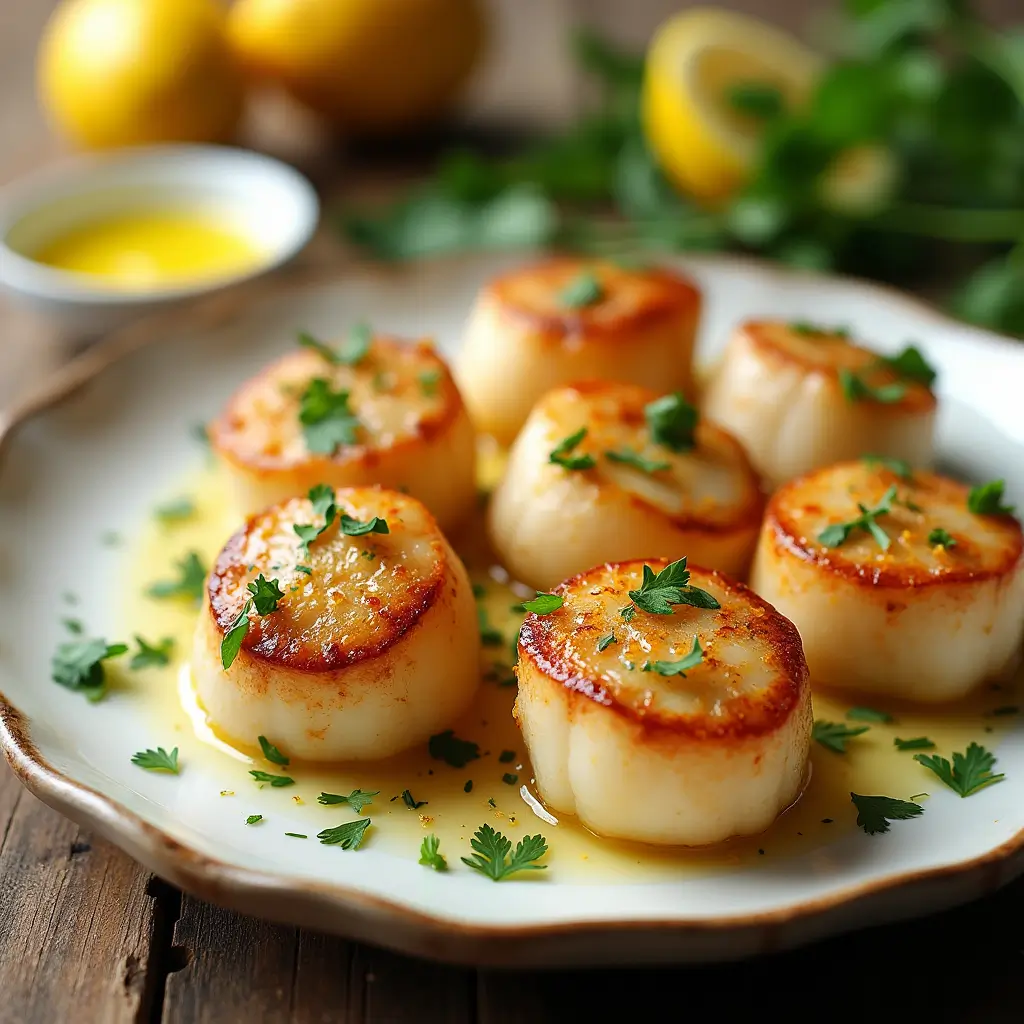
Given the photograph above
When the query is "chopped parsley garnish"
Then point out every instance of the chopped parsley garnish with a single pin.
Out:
(660, 591)
(560, 454)
(837, 534)
(271, 753)
(606, 641)
(916, 743)
(509, 779)
(583, 290)
(987, 499)
(429, 857)
(468, 787)
(157, 760)
(900, 467)
(175, 511)
(277, 781)
(833, 735)
(254, 819)
(353, 350)
(969, 772)
(875, 812)
(544, 604)
(322, 498)
(672, 422)
(941, 538)
(73, 626)
(489, 636)
(806, 328)
(855, 389)
(296, 835)
(78, 665)
(490, 802)
(306, 570)
(327, 421)
(677, 668)
(150, 656)
(190, 581)
(628, 457)
(861, 714)
(507, 755)
(429, 379)
(347, 836)
(495, 859)
(910, 364)
(411, 802)
(357, 527)
(265, 596)
(447, 747)
(357, 799)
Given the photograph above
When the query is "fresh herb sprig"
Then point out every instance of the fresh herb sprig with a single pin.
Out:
(78, 665)
(429, 853)
(326, 418)
(157, 760)
(561, 454)
(680, 667)
(659, 592)
(264, 600)
(189, 583)
(838, 533)
(672, 421)
(357, 799)
(987, 499)
(875, 812)
(495, 859)
(969, 771)
(833, 735)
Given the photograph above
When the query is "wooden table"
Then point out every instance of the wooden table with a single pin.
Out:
(86, 935)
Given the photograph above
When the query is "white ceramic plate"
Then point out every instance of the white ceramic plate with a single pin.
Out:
(77, 465)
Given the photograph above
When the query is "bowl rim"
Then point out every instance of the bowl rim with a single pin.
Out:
(24, 196)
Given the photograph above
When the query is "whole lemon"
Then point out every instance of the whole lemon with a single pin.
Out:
(123, 72)
(371, 66)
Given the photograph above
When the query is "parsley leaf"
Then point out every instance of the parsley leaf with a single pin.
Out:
(175, 511)
(677, 668)
(855, 389)
(353, 351)
(544, 604)
(429, 857)
(327, 421)
(560, 456)
(583, 290)
(157, 760)
(271, 753)
(356, 528)
(447, 747)
(969, 772)
(659, 591)
(606, 641)
(495, 859)
(347, 836)
(987, 499)
(357, 799)
(861, 714)
(628, 457)
(833, 735)
(148, 656)
(190, 581)
(489, 636)
(900, 467)
(672, 422)
(277, 781)
(78, 665)
(322, 498)
(265, 596)
(917, 743)
(941, 538)
(411, 802)
(254, 819)
(911, 365)
(838, 533)
(875, 812)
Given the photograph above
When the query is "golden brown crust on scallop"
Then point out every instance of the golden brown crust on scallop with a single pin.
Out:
(744, 617)
(261, 433)
(636, 299)
(986, 547)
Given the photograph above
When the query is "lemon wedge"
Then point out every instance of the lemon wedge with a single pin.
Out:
(700, 66)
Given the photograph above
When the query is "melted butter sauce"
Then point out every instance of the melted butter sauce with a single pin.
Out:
(872, 765)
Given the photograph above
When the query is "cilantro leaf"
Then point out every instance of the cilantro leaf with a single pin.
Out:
(348, 836)
(606, 641)
(833, 735)
(411, 802)
(78, 665)
(429, 856)
(277, 781)
(357, 799)
(672, 422)
(875, 812)
(677, 668)
(327, 421)
(900, 467)
(862, 714)
(271, 753)
(969, 772)
(190, 582)
(356, 528)
(987, 499)
(911, 365)
(447, 747)
(175, 511)
(856, 389)
(583, 290)
(495, 859)
(917, 743)
(254, 819)
(940, 537)
(544, 604)
(659, 591)
(560, 454)
(148, 656)
(838, 533)
(157, 760)
(628, 457)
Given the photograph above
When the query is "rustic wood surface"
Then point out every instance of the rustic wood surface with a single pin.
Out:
(88, 936)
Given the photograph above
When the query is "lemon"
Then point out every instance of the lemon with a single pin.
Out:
(123, 72)
(704, 143)
(371, 66)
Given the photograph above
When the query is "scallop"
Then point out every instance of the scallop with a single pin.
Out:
(373, 646)
(801, 397)
(897, 588)
(642, 476)
(552, 323)
(683, 728)
(393, 417)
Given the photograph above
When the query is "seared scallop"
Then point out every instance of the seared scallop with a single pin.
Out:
(801, 397)
(392, 416)
(681, 727)
(373, 645)
(606, 472)
(896, 586)
(548, 324)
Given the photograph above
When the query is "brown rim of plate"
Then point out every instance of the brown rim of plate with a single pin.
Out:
(417, 933)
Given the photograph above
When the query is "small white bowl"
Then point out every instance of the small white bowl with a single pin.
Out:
(268, 201)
